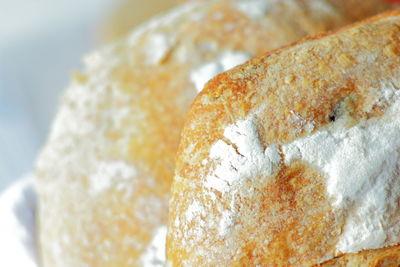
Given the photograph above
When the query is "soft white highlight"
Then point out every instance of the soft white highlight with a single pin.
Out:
(223, 62)
(17, 228)
(108, 172)
(158, 46)
(254, 8)
(155, 253)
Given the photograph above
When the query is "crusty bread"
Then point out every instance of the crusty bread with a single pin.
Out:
(132, 12)
(291, 159)
(129, 14)
(104, 175)
(384, 257)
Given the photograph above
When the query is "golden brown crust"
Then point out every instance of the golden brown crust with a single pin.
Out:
(358, 10)
(290, 221)
(130, 13)
(105, 173)
(384, 257)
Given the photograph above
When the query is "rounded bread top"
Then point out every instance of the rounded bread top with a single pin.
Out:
(292, 157)
(110, 157)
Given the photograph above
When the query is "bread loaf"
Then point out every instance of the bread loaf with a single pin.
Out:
(292, 159)
(104, 175)
(129, 14)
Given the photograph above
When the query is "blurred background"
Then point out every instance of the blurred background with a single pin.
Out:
(41, 42)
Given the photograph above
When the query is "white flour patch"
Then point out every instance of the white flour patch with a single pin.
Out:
(363, 177)
(254, 8)
(387, 93)
(225, 61)
(158, 45)
(226, 222)
(155, 253)
(193, 211)
(202, 74)
(244, 158)
(231, 59)
(108, 173)
(361, 163)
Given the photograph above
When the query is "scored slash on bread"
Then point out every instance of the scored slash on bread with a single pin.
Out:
(292, 159)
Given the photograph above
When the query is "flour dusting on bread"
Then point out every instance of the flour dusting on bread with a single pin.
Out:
(254, 8)
(361, 164)
(223, 62)
(241, 156)
(155, 252)
(108, 173)
(362, 168)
